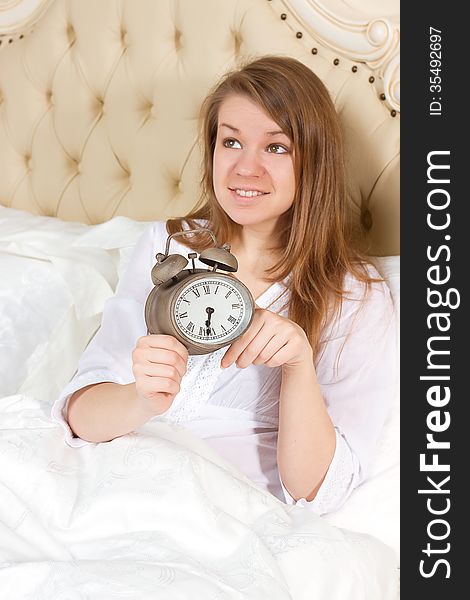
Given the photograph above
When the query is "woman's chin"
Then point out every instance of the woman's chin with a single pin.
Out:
(260, 223)
(245, 219)
(247, 214)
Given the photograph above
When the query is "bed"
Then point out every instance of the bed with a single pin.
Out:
(98, 137)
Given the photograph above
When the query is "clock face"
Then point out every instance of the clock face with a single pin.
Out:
(211, 311)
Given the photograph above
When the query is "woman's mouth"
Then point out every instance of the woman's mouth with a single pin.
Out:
(240, 193)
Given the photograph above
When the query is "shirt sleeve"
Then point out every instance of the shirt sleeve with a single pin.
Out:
(108, 357)
(358, 374)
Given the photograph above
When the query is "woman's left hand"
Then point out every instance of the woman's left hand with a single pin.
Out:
(271, 340)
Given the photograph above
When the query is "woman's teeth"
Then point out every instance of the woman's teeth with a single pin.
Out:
(248, 193)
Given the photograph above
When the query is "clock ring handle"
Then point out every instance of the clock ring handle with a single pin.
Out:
(189, 232)
(217, 257)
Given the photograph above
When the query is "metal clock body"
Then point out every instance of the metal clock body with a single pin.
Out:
(204, 309)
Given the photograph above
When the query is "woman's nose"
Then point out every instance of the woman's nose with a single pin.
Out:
(249, 164)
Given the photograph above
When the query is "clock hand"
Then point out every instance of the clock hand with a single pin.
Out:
(209, 311)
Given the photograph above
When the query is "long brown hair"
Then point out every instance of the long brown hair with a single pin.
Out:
(315, 243)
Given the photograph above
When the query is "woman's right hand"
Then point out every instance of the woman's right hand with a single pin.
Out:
(158, 363)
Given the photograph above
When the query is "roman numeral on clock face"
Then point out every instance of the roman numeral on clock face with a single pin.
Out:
(206, 332)
(214, 312)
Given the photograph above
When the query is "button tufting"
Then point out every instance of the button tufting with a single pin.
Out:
(70, 32)
(366, 219)
(124, 38)
(148, 110)
(50, 97)
(29, 161)
(237, 39)
(178, 36)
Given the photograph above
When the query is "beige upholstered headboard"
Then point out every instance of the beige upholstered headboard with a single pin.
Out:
(99, 100)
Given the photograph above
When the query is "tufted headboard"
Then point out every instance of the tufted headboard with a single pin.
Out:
(99, 101)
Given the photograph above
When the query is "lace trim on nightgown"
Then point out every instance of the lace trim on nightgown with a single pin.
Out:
(196, 386)
(204, 370)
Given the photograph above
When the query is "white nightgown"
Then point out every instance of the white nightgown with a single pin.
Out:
(236, 410)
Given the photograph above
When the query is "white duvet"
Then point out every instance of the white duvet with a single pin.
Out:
(156, 514)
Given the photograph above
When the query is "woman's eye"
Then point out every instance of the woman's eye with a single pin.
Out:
(231, 143)
(277, 149)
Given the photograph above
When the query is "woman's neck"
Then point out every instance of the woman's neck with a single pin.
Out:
(254, 251)
(257, 239)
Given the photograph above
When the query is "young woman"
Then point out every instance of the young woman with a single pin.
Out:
(298, 402)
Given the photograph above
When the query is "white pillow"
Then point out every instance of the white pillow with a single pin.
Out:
(389, 268)
(374, 506)
(56, 277)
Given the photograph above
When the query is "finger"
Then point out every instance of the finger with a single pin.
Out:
(167, 342)
(282, 356)
(163, 385)
(141, 355)
(157, 370)
(166, 357)
(239, 345)
(273, 346)
(255, 347)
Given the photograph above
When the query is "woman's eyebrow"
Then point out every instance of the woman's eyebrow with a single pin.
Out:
(277, 132)
(230, 127)
(270, 133)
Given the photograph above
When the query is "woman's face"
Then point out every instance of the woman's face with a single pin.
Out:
(253, 168)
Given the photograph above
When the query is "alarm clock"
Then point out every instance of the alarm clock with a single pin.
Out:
(205, 309)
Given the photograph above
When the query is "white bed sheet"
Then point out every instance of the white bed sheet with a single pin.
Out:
(117, 516)
(158, 512)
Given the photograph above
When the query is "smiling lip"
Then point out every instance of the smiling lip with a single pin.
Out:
(245, 192)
